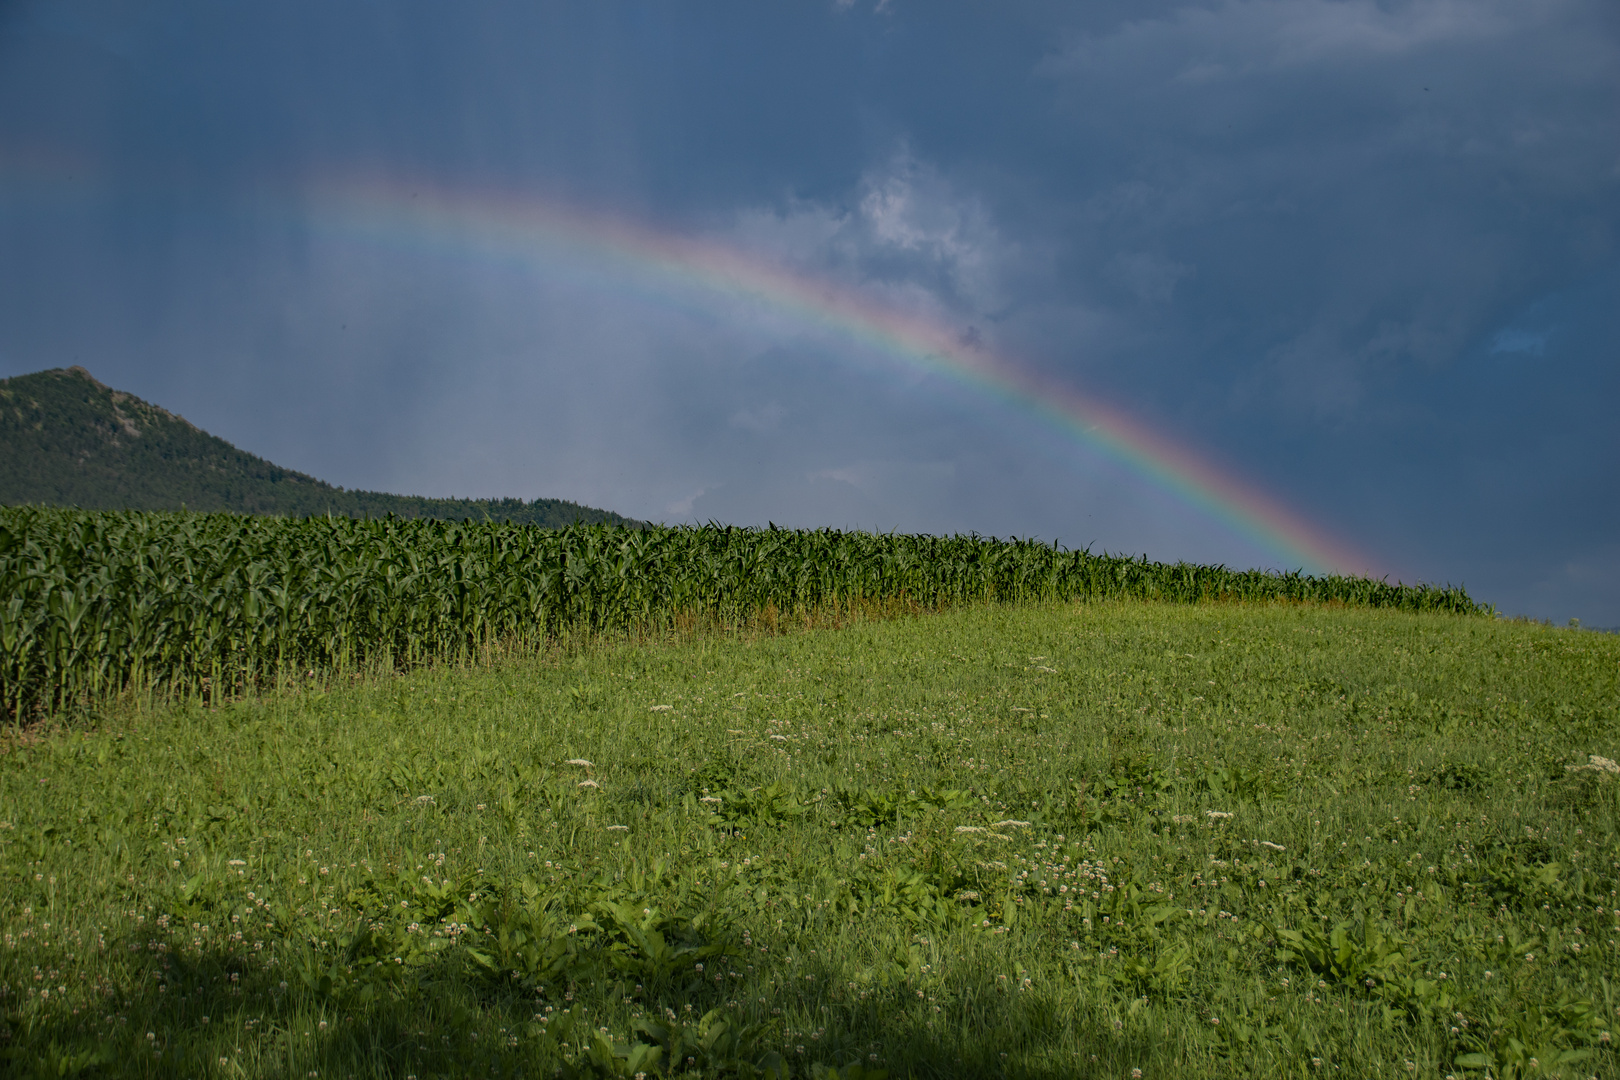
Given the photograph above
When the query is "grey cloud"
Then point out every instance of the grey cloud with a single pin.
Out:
(759, 419)
(1521, 341)
(1152, 278)
(1350, 178)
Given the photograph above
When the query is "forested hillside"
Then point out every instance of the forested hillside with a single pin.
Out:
(68, 440)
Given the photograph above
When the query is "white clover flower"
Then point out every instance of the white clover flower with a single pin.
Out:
(661, 708)
(618, 828)
(1217, 815)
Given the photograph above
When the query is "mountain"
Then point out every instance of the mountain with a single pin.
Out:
(68, 440)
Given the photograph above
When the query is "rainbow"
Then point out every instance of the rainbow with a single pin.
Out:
(527, 228)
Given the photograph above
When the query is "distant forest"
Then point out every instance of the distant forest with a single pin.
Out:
(68, 440)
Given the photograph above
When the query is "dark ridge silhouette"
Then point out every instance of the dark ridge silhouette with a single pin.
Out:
(66, 439)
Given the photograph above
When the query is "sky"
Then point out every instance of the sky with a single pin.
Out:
(1330, 284)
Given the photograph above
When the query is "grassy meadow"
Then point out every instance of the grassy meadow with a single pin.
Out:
(1109, 839)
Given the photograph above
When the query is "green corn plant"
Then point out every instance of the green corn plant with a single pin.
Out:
(98, 603)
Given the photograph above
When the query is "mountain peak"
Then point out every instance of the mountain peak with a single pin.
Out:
(68, 439)
(81, 372)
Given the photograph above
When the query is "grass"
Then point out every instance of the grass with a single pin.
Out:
(1055, 841)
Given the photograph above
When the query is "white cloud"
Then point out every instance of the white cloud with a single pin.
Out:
(681, 509)
(912, 238)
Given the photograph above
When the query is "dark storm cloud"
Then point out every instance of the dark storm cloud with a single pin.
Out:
(1362, 252)
(1370, 194)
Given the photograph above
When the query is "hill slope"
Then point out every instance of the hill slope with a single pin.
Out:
(68, 440)
(1076, 830)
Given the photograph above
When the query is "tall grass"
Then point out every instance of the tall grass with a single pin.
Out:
(94, 603)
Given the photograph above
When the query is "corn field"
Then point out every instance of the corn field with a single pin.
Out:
(97, 603)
